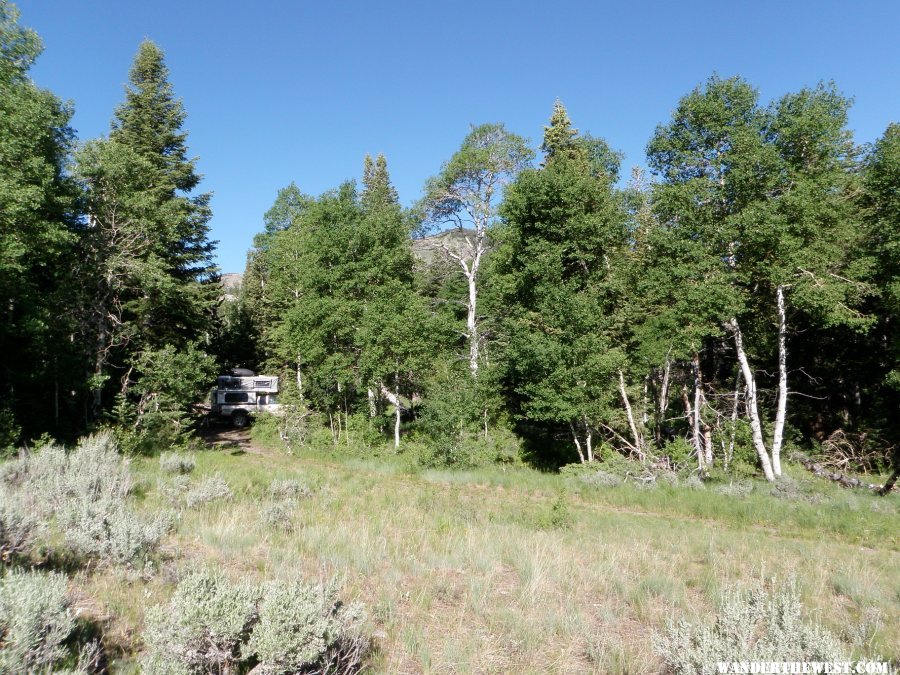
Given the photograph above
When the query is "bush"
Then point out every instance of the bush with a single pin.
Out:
(36, 621)
(680, 453)
(755, 625)
(212, 625)
(202, 628)
(176, 462)
(18, 524)
(735, 489)
(107, 531)
(176, 489)
(208, 490)
(590, 475)
(788, 488)
(289, 488)
(306, 629)
(279, 516)
(84, 494)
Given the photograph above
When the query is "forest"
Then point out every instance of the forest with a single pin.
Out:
(725, 322)
(739, 299)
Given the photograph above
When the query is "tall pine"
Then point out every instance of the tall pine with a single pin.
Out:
(149, 123)
(147, 260)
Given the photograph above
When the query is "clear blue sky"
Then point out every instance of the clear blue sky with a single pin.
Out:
(300, 91)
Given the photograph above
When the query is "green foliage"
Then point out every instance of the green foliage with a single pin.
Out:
(177, 463)
(208, 490)
(562, 241)
(303, 628)
(10, 432)
(212, 625)
(680, 452)
(463, 420)
(37, 199)
(148, 261)
(202, 628)
(35, 621)
(757, 625)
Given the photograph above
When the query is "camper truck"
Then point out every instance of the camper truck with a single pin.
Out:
(242, 393)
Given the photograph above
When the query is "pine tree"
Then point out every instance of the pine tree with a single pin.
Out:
(36, 244)
(149, 123)
(563, 240)
(561, 138)
(147, 258)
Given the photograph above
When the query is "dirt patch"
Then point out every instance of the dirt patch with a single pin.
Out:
(228, 438)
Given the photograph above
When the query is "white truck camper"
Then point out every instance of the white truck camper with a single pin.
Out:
(242, 393)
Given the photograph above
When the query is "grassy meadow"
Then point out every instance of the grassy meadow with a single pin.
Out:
(512, 571)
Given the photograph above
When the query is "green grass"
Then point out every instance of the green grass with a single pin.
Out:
(515, 570)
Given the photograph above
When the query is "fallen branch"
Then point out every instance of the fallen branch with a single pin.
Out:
(845, 480)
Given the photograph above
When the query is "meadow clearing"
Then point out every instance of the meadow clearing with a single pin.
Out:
(502, 571)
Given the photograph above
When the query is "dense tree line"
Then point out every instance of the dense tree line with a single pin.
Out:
(739, 300)
(106, 264)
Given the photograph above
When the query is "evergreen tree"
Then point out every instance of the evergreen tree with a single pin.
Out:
(36, 244)
(563, 240)
(149, 123)
(147, 259)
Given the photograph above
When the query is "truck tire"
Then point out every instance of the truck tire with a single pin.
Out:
(240, 419)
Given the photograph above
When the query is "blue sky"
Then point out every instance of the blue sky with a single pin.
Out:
(300, 91)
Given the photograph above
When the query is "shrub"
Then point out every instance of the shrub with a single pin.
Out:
(84, 494)
(755, 625)
(208, 490)
(289, 488)
(787, 487)
(96, 469)
(107, 531)
(202, 628)
(177, 463)
(35, 621)
(694, 482)
(680, 453)
(18, 524)
(735, 489)
(303, 628)
(175, 489)
(279, 516)
(212, 625)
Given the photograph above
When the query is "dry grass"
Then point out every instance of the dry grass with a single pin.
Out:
(499, 572)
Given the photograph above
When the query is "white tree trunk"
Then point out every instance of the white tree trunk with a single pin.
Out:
(636, 435)
(781, 412)
(698, 405)
(299, 382)
(397, 418)
(471, 319)
(577, 442)
(752, 404)
(663, 403)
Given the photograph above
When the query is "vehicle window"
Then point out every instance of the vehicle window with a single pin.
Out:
(235, 397)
